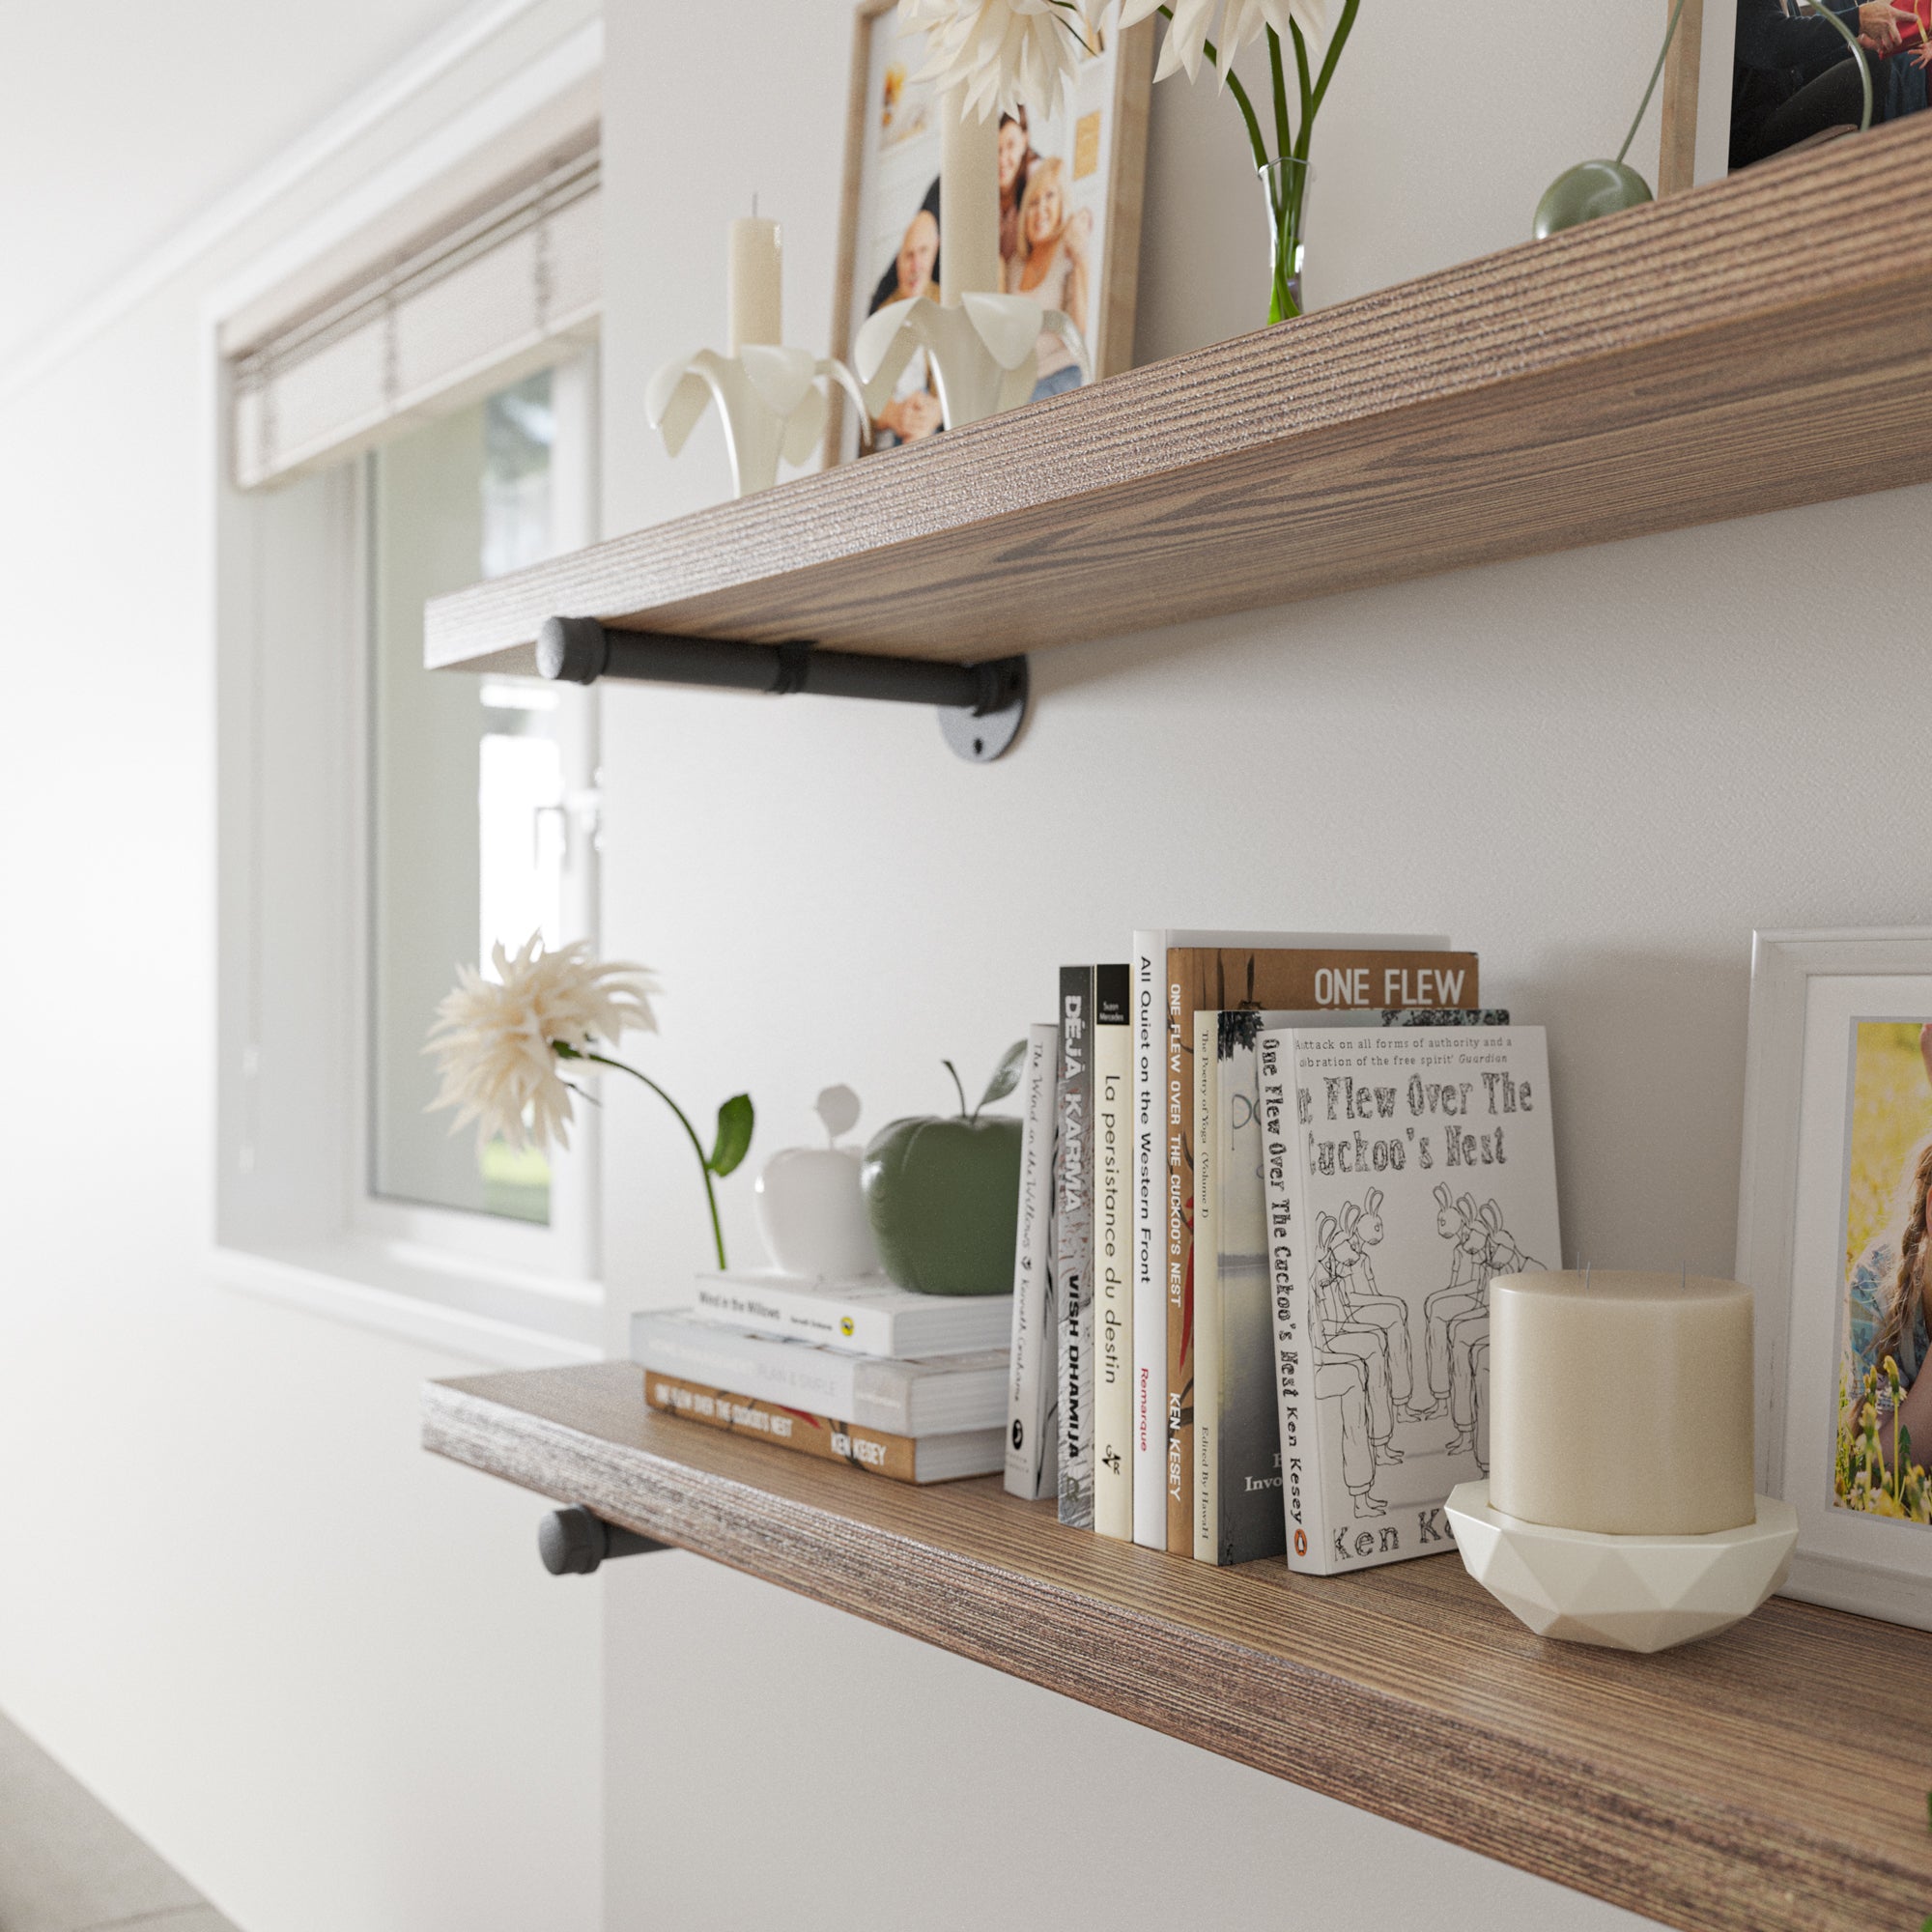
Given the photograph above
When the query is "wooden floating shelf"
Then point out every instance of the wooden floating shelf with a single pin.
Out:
(1770, 1780)
(1762, 342)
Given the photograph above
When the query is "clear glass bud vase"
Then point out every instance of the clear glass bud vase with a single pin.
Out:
(1286, 183)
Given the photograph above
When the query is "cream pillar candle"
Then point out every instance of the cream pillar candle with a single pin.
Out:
(753, 284)
(968, 199)
(1621, 1402)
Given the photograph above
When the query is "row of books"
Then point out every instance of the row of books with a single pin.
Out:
(1266, 1180)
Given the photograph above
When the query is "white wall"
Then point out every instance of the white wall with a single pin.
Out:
(1600, 769)
(321, 1671)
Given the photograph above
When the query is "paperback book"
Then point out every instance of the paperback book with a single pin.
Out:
(1033, 1378)
(1073, 1244)
(905, 1458)
(1404, 1170)
(1236, 1435)
(1113, 1233)
(867, 1317)
(902, 1397)
(1178, 974)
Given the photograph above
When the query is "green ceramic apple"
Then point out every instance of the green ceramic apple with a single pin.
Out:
(944, 1195)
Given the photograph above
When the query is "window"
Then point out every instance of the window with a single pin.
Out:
(400, 427)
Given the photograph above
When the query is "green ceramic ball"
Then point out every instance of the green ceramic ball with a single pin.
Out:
(1589, 189)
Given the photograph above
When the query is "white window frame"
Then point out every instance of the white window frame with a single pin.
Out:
(483, 1288)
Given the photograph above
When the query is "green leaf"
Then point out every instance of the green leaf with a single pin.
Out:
(734, 1134)
(1006, 1075)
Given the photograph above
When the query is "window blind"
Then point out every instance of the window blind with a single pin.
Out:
(470, 306)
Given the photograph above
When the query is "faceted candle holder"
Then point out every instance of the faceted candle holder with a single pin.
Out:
(1642, 1593)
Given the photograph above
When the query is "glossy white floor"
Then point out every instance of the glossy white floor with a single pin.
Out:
(68, 1864)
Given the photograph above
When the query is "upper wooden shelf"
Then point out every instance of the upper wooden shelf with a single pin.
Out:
(1770, 1779)
(1762, 342)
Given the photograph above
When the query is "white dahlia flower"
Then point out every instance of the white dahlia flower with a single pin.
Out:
(1231, 24)
(496, 1041)
(1005, 53)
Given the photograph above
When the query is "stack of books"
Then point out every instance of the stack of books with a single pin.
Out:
(910, 1386)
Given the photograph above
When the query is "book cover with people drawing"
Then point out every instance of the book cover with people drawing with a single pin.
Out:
(1404, 1171)
(1234, 1398)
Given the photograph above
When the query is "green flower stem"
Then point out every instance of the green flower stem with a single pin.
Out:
(1336, 43)
(1241, 101)
(1284, 134)
(691, 1132)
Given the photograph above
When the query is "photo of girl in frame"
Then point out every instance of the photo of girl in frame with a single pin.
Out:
(1885, 1400)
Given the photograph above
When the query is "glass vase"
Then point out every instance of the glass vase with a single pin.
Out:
(1286, 183)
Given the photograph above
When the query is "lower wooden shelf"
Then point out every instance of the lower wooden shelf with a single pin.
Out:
(1770, 1780)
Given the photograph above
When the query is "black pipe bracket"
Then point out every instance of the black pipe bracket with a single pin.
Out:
(981, 706)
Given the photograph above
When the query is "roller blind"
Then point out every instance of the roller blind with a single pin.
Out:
(473, 305)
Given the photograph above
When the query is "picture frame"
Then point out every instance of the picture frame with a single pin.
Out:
(1830, 1012)
(892, 165)
(1698, 87)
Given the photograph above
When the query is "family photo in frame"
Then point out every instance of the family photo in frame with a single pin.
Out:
(1069, 193)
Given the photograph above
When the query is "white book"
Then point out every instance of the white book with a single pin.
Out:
(1207, 1349)
(1033, 1384)
(1113, 1237)
(1152, 1399)
(903, 1397)
(873, 1317)
(1404, 1171)
(1073, 1244)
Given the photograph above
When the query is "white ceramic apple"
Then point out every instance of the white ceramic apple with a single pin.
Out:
(810, 1209)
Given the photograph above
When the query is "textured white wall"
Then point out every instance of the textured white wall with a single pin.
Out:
(1602, 770)
(321, 1671)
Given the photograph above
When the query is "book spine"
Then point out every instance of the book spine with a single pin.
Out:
(1113, 1247)
(1293, 1364)
(1177, 1247)
(1073, 1244)
(1149, 1282)
(768, 1369)
(1206, 1299)
(1033, 1388)
(824, 1437)
(860, 1330)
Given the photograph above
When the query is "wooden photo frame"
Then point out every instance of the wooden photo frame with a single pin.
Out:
(1838, 1122)
(1096, 146)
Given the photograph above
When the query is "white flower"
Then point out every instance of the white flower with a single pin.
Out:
(1239, 22)
(494, 1038)
(1006, 53)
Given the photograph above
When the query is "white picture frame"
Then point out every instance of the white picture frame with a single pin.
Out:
(1810, 989)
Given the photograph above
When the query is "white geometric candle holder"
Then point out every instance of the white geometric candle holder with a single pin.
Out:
(767, 397)
(1642, 1593)
(982, 347)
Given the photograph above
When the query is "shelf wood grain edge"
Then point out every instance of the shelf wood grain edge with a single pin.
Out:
(1766, 1782)
(1761, 342)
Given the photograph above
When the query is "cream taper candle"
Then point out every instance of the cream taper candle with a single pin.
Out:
(968, 199)
(1621, 1402)
(753, 283)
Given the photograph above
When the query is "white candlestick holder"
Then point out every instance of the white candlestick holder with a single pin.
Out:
(982, 350)
(1641, 1593)
(769, 398)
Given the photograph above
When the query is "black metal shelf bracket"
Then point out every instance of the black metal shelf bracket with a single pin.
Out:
(981, 706)
(574, 1542)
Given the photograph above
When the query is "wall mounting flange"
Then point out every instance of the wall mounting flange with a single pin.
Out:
(981, 706)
